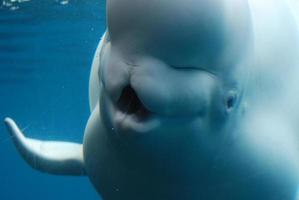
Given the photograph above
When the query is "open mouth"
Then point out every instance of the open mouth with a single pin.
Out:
(130, 104)
(129, 115)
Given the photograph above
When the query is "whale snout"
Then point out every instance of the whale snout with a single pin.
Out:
(173, 92)
(146, 93)
(152, 87)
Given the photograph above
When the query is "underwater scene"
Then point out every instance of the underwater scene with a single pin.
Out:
(149, 99)
(46, 51)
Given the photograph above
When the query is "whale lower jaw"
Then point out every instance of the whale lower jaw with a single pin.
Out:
(125, 122)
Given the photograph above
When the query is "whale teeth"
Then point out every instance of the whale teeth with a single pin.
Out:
(130, 104)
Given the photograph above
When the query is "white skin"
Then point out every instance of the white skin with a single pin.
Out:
(199, 131)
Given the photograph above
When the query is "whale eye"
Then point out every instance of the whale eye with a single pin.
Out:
(231, 101)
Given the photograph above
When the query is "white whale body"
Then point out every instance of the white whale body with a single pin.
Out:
(189, 100)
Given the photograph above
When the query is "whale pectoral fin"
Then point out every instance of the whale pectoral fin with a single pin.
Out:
(61, 158)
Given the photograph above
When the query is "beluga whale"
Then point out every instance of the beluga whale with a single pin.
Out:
(189, 99)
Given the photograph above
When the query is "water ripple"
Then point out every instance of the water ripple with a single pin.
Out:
(13, 5)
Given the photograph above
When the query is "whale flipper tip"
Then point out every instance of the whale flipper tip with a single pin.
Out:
(7, 120)
(12, 127)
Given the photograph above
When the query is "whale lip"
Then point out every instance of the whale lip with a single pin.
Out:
(128, 114)
(130, 104)
(130, 123)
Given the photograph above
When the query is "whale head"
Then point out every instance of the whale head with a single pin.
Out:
(180, 107)
(175, 75)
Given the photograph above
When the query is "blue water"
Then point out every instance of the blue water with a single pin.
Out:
(46, 49)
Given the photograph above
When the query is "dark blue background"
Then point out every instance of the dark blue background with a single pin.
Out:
(46, 50)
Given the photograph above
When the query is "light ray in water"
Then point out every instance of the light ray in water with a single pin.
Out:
(5, 139)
